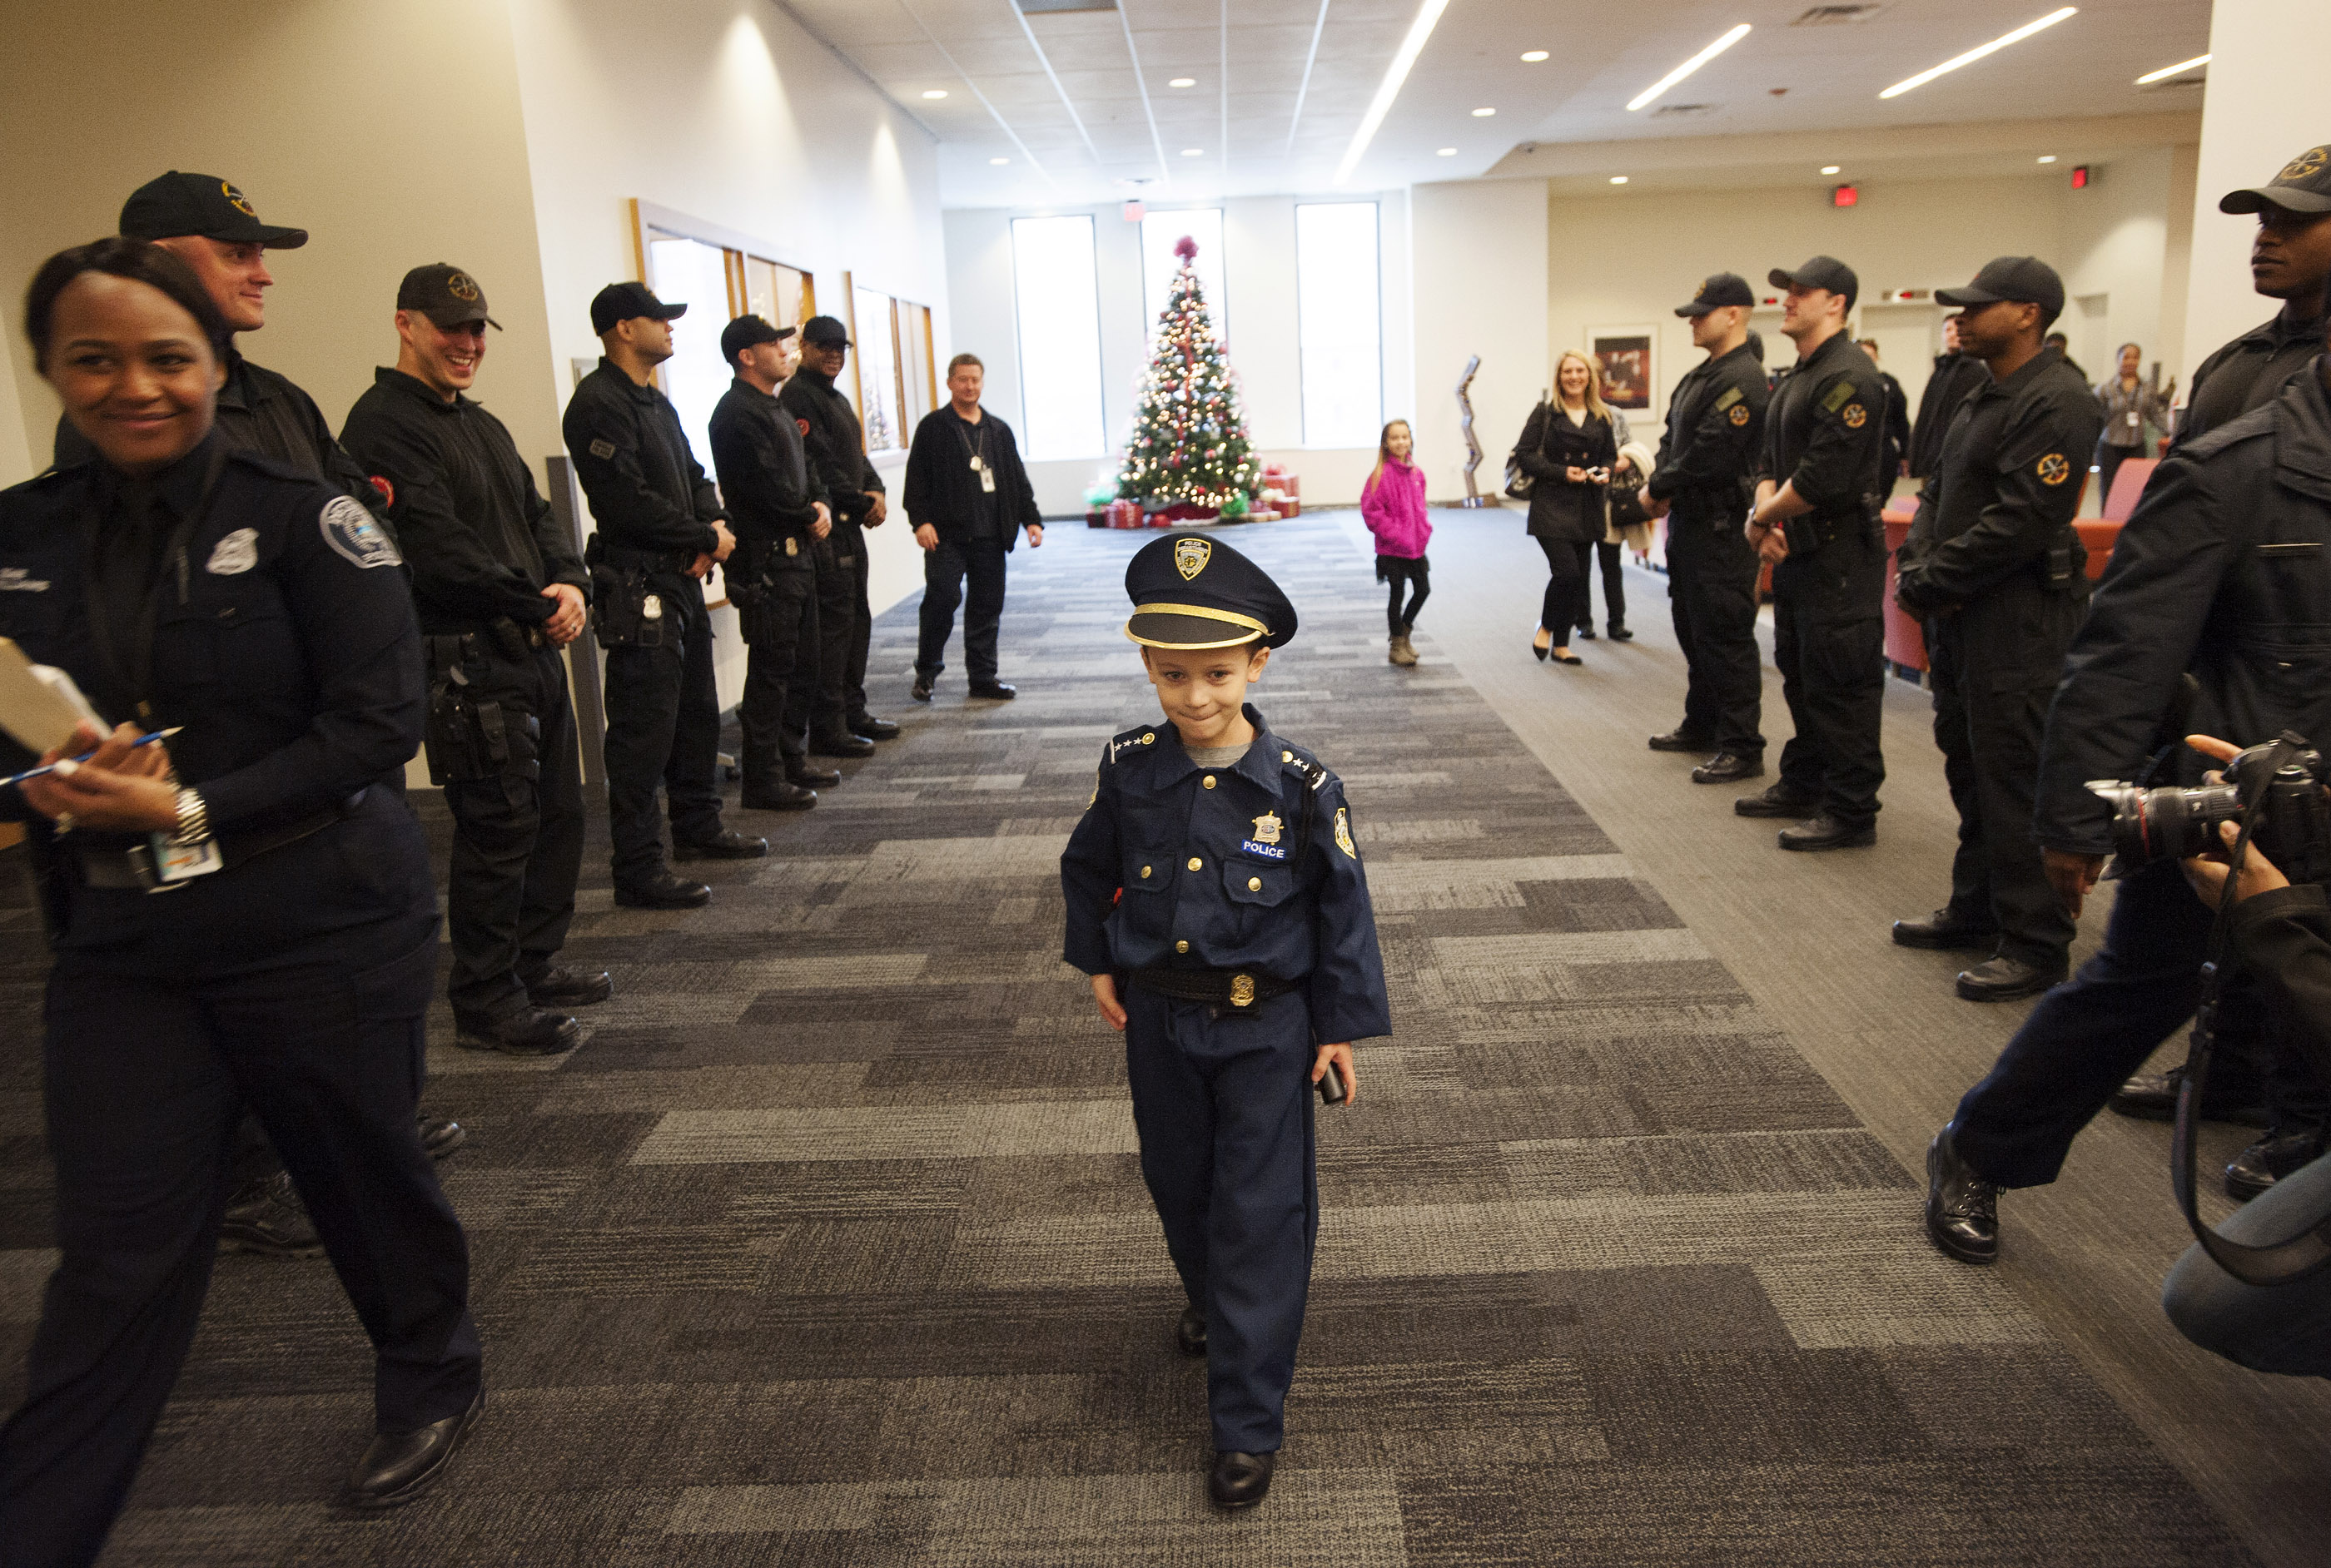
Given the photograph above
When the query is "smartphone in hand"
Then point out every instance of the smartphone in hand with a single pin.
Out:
(1331, 1086)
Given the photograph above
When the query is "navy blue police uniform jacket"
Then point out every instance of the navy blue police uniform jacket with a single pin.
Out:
(285, 652)
(1213, 876)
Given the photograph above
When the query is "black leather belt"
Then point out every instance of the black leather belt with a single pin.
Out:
(1222, 987)
(675, 561)
(133, 866)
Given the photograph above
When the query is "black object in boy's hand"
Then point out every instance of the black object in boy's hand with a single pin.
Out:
(1331, 1086)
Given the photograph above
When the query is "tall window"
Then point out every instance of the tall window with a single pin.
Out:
(1339, 315)
(1059, 300)
(1160, 232)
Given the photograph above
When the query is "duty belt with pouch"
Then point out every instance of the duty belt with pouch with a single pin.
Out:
(116, 865)
(628, 610)
(470, 733)
(2064, 564)
(1223, 988)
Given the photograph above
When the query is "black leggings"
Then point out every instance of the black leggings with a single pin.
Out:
(1565, 585)
(1615, 589)
(1401, 572)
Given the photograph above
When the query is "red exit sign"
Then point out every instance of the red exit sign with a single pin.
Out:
(1845, 196)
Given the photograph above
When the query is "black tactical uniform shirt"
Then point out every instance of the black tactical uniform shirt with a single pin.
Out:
(478, 540)
(647, 491)
(2224, 571)
(1825, 434)
(2008, 486)
(1955, 376)
(2248, 373)
(837, 451)
(764, 474)
(1897, 432)
(1715, 433)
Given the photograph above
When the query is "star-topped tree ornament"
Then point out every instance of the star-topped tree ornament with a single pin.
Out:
(1189, 441)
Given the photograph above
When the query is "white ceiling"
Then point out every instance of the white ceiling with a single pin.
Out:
(1080, 105)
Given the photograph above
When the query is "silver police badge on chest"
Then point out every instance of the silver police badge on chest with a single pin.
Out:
(351, 532)
(1268, 830)
(234, 555)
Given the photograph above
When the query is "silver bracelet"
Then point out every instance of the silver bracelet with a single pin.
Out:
(193, 819)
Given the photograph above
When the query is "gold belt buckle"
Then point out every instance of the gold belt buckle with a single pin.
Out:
(1241, 991)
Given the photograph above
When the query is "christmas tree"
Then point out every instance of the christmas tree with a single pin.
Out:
(1189, 441)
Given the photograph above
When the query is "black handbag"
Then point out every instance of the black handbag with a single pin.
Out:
(1519, 484)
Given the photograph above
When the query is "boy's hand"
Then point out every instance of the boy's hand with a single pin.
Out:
(1341, 1055)
(1105, 992)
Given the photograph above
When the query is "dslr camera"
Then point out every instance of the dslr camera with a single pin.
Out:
(2294, 820)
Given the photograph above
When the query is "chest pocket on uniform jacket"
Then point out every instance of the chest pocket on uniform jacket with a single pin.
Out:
(1256, 889)
(254, 643)
(1148, 870)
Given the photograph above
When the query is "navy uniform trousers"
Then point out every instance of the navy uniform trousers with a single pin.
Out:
(1222, 1099)
(663, 727)
(1829, 644)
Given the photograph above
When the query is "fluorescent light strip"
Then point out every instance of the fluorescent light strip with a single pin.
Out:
(1396, 73)
(2166, 71)
(1687, 67)
(1972, 55)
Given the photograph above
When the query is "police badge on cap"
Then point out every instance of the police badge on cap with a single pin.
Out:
(1190, 592)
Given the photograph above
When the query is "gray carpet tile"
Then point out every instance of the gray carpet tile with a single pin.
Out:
(829, 1245)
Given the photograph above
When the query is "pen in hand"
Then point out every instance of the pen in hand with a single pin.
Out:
(146, 739)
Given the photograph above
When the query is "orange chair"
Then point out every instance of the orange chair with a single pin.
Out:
(2128, 484)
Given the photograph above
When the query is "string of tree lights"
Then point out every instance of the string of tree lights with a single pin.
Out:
(1189, 439)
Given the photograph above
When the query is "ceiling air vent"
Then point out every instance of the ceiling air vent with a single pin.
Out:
(1672, 110)
(1039, 7)
(1831, 15)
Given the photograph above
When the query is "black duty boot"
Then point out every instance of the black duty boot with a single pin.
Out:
(2153, 1097)
(1239, 1481)
(1945, 931)
(1961, 1207)
(845, 745)
(724, 845)
(2004, 978)
(1826, 832)
(560, 986)
(1779, 801)
(995, 690)
(522, 1032)
(874, 728)
(776, 794)
(2270, 1160)
(1681, 739)
(398, 1467)
(1583, 633)
(439, 1135)
(1619, 632)
(266, 1216)
(802, 775)
(1729, 767)
(663, 891)
(1190, 1334)
(924, 686)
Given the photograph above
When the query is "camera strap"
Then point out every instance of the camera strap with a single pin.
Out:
(2297, 1257)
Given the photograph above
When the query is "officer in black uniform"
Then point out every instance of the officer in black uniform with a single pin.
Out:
(1891, 466)
(781, 516)
(239, 914)
(1995, 572)
(1701, 485)
(660, 528)
(1956, 375)
(1817, 520)
(1215, 896)
(2224, 573)
(2290, 260)
(500, 593)
(837, 451)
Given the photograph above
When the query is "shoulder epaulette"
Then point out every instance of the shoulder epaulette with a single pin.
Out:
(1132, 740)
(2259, 422)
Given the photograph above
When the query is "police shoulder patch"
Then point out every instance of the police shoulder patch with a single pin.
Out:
(352, 532)
(1855, 416)
(1838, 396)
(1344, 832)
(2054, 468)
(603, 449)
(1740, 414)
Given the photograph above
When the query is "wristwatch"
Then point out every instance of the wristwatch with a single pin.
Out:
(193, 819)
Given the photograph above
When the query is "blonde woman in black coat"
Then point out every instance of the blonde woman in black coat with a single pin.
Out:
(1568, 448)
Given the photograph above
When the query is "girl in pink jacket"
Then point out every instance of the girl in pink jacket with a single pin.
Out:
(1391, 503)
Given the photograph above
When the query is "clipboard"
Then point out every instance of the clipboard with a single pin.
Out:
(40, 705)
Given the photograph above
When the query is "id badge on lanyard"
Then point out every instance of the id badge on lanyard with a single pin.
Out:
(987, 476)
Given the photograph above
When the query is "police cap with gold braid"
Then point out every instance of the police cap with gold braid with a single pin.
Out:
(1191, 592)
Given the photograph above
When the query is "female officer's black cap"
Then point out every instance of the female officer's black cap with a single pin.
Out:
(1190, 592)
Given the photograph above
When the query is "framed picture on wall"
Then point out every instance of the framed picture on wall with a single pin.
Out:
(1625, 355)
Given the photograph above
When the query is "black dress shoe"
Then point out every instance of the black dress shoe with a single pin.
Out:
(2153, 1097)
(1944, 932)
(663, 891)
(1826, 832)
(727, 844)
(1683, 740)
(1729, 767)
(1190, 1334)
(560, 986)
(1779, 801)
(780, 794)
(398, 1467)
(874, 728)
(2270, 1160)
(524, 1031)
(1618, 634)
(1562, 658)
(922, 691)
(841, 746)
(803, 777)
(995, 690)
(2004, 978)
(439, 1135)
(1239, 1480)
(1583, 633)
(1961, 1207)
(1541, 652)
(267, 1217)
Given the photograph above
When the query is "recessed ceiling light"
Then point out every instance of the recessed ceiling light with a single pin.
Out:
(2150, 77)
(1972, 55)
(1183, 82)
(2048, 158)
(1446, 152)
(1829, 168)
(1404, 59)
(1689, 66)
(1535, 55)
(999, 162)
(935, 93)
(1193, 152)
(1618, 179)
(1483, 113)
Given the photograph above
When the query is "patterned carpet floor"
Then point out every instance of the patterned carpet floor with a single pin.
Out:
(829, 1246)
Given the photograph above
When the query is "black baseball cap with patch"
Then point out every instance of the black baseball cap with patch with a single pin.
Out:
(2022, 279)
(2304, 186)
(826, 332)
(1190, 592)
(626, 303)
(445, 294)
(1718, 290)
(748, 332)
(182, 203)
(1821, 272)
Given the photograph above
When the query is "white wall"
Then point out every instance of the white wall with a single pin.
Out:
(1478, 260)
(2263, 107)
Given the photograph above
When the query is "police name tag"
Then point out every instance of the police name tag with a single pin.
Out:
(176, 862)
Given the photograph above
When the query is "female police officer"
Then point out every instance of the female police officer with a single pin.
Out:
(245, 916)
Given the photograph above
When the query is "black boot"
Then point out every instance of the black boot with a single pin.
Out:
(1961, 1207)
(1239, 1481)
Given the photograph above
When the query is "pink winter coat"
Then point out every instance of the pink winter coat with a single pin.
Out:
(1393, 509)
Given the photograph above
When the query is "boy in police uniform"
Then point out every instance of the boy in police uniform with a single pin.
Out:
(1215, 896)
